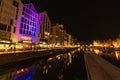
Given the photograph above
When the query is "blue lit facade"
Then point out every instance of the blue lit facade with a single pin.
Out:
(29, 22)
(28, 25)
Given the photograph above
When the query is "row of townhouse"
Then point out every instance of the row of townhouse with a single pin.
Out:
(21, 24)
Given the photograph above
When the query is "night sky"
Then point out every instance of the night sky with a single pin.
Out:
(85, 20)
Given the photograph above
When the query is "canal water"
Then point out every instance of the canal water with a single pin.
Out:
(67, 66)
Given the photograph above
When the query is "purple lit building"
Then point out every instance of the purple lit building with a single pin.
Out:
(20, 23)
(27, 25)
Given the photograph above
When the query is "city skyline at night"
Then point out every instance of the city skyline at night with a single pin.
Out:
(86, 20)
(59, 40)
(26, 27)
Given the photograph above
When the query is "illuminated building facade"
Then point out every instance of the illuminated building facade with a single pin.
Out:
(9, 10)
(8, 17)
(27, 25)
(69, 39)
(65, 38)
(21, 24)
(45, 28)
(57, 34)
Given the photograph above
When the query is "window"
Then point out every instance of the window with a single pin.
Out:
(24, 26)
(33, 19)
(16, 17)
(29, 11)
(14, 30)
(11, 21)
(20, 31)
(15, 3)
(0, 1)
(3, 27)
(25, 20)
(23, 13)
(23, 8)
(22, 19)
(21, 25)
(27, 32)
(9, 28)
(32, 29)
(33, 23)
(17, 10)
(26, 10)
(41, 18)
(24, 32)
(29, 7)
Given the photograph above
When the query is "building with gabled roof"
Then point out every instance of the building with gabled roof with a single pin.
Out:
(45, 28)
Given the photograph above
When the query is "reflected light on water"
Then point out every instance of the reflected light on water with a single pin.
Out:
(60, 77)
(58, 57)
(70, 58)
(117, 55)
(49, 59)
(97, 51)
(22, 70)
(45, 69)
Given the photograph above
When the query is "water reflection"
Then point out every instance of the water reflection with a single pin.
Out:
(117, 55)
(52, 68)
(97, 51)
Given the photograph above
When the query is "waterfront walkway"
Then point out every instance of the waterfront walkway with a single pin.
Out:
(100, 69)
